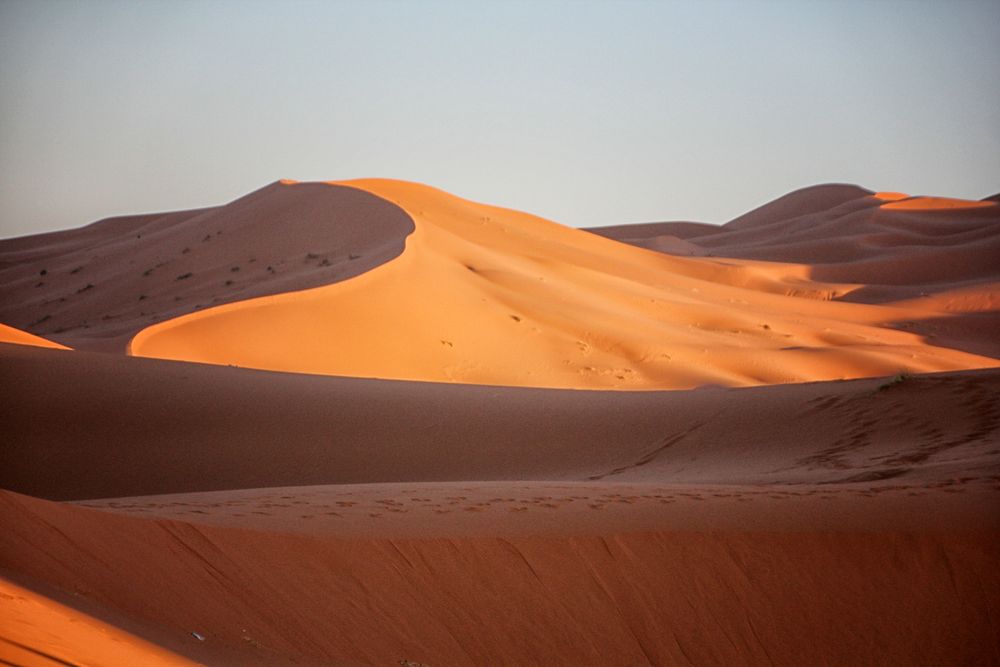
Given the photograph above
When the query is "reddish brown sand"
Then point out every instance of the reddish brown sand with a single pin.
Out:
(231, 516)
(600, 596)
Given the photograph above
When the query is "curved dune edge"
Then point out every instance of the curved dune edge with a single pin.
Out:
(35, 630)
(16, 336)
(906, 203)
(891, 196)
(486, 295)
(95, 287)
(902, 201)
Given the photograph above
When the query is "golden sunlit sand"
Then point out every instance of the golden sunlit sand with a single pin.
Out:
(35, 630)
(491, 296)
(18, 337)
(935, 203)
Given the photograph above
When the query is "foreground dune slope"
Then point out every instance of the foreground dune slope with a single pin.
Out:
(486, 295)
(651, 598)
(93, 288)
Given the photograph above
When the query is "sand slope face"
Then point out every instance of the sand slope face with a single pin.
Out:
(205, 428)
(491, 296)
(895, 246)
(933, 256)
(35, 630)
(18, 337)
(655, 598)
(94, 287)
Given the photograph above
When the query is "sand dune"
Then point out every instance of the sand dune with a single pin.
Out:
(18, 337)
(95, 287)
(35, 630)
(934, 255)
(205, 428)
(491, 296)
(893, 245)
(934, 204)
(599, 597)
(235, 516)
(660, 528)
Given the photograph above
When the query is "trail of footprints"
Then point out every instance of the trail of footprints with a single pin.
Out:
(869, 419)
(326, 506)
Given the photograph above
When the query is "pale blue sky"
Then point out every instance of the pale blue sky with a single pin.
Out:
(586, 113)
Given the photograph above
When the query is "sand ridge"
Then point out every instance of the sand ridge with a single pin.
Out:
(647, 598)
(93, 288)
(36, 630)
(486, 295)
(938, 264)
(18, 337)
(208, 428)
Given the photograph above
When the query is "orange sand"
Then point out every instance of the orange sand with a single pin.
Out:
(35, 630)
(891, 196)
(935, 203)
(486, 295)
(12, 335)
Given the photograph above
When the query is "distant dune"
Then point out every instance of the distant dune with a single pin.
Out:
(934, 257)
(342, 424)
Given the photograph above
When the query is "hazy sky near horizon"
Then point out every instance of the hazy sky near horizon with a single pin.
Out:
(587, 113)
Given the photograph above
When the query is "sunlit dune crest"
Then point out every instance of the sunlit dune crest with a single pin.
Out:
(903, 201)
(935, 203)
(18, 337)
(891, 196)
(35, 630)
(487, 295)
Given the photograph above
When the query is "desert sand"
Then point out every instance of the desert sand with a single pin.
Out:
(413, 429)
(18, 337)
(491, 296)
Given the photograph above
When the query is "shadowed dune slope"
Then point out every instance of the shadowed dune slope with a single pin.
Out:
(652, 598)
(142, 427)
(93, 288)
(806, 201)
(485, 295)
